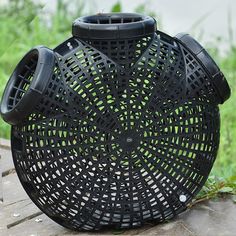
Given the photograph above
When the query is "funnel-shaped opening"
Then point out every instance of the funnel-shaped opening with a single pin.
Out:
(218, 80)
(22, 79)
(113, 26)
(26, 84)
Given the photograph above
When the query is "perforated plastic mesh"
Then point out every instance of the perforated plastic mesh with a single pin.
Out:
(22, 82)
(127, 132)
(123, 52)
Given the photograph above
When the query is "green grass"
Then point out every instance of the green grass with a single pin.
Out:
(20, 30)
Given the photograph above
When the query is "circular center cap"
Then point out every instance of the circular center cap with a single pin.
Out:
(129, 140)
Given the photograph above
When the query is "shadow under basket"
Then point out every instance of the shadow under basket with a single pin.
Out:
(117, 126)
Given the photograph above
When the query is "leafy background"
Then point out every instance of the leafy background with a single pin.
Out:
(24, 24)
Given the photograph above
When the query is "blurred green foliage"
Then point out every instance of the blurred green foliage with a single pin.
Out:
(24, 24)
(116, 7)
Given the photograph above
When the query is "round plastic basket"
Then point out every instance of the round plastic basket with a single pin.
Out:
(116, 126)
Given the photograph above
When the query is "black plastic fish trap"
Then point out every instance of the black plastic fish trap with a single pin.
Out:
(116, 126)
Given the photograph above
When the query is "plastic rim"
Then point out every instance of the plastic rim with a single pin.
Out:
(218, 79)
(40, 75)
(113, 26)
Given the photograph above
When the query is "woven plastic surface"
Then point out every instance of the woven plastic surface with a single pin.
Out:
(126, 132)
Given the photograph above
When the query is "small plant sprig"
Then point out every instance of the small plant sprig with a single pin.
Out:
(216, 187)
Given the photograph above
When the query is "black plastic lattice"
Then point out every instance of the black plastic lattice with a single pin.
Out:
(22, 82)
(126, 130)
